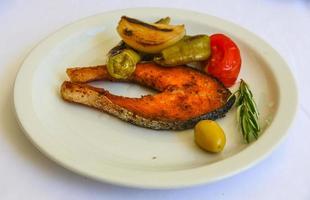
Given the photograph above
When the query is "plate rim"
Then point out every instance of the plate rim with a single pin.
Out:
(242, 157)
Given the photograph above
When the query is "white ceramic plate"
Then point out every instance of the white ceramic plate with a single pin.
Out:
(100, 146)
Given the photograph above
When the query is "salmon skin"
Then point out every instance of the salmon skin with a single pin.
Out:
(185, 96)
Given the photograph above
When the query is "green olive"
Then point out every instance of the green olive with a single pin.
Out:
(209, 136)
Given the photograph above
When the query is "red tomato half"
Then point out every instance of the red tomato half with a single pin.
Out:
(225, 60)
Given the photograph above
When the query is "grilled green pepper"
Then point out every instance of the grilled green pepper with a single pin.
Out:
(189, 49)
(122, 64)
(118, 48)
(165, 20)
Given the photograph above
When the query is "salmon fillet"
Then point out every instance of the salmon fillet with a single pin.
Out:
(185, 96)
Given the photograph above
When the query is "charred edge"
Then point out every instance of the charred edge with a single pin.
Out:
(216, 114)
(135, 21)
(128, 32)
(118, 48)
(191, 38)
(178, 125)
(181, 125)
(149, 44)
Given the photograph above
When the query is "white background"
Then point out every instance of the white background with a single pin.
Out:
(27, 174)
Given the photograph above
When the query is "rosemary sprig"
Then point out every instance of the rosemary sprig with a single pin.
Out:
(247, 113)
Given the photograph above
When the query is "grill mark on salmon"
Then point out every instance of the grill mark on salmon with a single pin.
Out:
(185, 96)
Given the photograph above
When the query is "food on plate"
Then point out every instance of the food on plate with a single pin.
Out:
(122, 45)
(185, 96)
(225, 61)
(160, 56)
(247, 112)
(147, 37)
(189, 49)
(123, 64)
(122, 59)
(209, 136)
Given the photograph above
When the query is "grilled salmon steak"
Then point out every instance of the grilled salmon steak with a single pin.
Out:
(185, 96)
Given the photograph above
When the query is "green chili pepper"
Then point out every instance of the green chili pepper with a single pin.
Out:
(165, 20)
(123, 64)
(189, 49)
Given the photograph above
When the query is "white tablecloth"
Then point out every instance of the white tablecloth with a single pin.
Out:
(25, 173)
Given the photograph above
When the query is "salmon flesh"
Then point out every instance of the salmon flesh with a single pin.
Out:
(185, 96)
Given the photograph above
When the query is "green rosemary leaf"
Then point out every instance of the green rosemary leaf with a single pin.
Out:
(239, 99)
(253, 124)
(232, 95)
(238, 114)
(247, 112)
(252, 105)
